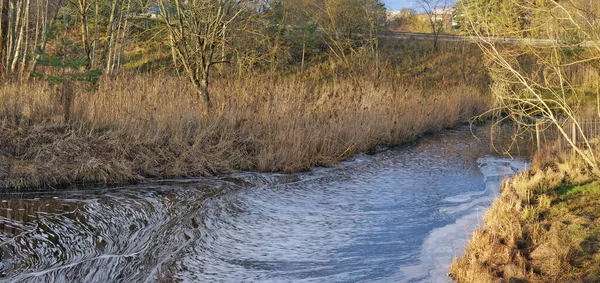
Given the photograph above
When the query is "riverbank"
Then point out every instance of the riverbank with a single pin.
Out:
(544, 227)
(365, 219)
(135, 128)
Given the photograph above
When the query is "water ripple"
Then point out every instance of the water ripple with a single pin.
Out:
(367, 219)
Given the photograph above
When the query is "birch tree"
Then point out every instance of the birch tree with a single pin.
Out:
(47, 27)
(14, 26)
(83, 8)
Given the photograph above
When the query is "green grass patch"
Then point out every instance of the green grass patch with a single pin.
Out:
(570, 192)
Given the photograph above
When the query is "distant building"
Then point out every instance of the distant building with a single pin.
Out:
(395, 14)
(445, 15)
(400, 20)
(153, 11)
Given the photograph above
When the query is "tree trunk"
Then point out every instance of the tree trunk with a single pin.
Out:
(110, 38)
(67, 97)
(10, 35)
(45, 34)
(94, 58)
(121, 35)
(85, 31)
(20, 24)
(204, 87)
(38, 20)
(173, 52)
(303, 54)
(3, 18)
(201, 89)
(204, 94)
(26, 45)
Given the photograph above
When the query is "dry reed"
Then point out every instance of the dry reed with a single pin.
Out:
(137, 127)
(543, 228)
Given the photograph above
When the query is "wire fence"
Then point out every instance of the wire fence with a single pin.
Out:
(586, 130)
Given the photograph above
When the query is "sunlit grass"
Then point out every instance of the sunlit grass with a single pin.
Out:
(137, 127)
(543, 228)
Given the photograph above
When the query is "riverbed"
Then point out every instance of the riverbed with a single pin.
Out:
(398, 215)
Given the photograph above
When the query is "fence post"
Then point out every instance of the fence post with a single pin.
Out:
(574, 133)
(537, 133)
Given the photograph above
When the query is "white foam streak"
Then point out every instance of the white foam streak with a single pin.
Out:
(445, 243)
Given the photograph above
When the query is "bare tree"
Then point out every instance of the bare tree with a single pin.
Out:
(47, 27)
(14, 19)
(110, 35)
(83, 9)
(439, 14)
(533, 80)
(348, 25)
(197, 29)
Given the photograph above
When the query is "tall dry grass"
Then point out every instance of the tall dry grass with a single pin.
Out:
(542, 228)
(136, 127)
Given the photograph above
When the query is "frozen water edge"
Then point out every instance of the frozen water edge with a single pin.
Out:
(445, 243)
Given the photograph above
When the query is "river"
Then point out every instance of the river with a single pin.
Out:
(399, 215)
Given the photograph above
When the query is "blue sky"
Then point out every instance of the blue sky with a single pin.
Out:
(399, 4)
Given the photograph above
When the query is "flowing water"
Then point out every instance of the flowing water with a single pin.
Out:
(396, 216)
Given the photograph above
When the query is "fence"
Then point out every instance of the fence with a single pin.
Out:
(548, 134)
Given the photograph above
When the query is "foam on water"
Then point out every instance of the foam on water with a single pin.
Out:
(397, 216)
(445, 243)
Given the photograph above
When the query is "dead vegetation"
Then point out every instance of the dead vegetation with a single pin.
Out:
(138, 127)
(545, 227)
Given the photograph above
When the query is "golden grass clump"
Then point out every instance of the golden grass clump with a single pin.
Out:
(544, 227)
(136, 127)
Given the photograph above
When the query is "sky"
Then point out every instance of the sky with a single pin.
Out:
(399, 4)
